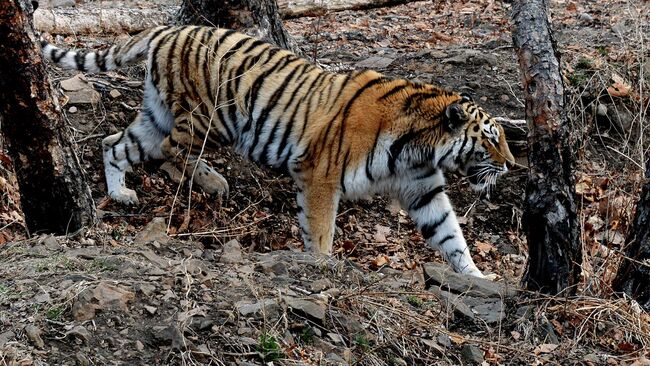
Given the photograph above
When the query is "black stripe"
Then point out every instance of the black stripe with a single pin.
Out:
(416, 99)
(462, 146)
(346, 110)
(137, 142)
(371, 157)
(426, 198)
(170, 68)
(393, 91)
(100, 60)
(429, 230)
(118, 140)
(55, 55)
(128, 156)
(305, 118)
(298, 103)
(428, 174)
(115, 166)
(445, 239)
(80, 60)
(255, 43)
(151, 117)
(272, 104)
(344, 168)
(343, 83)
(155, 76)
(442, 158)
(398, 146)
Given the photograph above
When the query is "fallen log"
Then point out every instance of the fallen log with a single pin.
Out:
(90, 19)
(313, 8)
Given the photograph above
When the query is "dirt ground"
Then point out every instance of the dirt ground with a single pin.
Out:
(229, 284)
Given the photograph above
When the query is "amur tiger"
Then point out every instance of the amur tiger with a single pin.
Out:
(340, 136)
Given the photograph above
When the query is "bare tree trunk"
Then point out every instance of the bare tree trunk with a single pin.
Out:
(260, 18)
(633, 277)
(550, 212)
(315, 8)
(54, 195)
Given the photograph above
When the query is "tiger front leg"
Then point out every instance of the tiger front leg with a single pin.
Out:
(434, 216)
(317, 207)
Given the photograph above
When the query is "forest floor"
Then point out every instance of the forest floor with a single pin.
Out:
(227, 282)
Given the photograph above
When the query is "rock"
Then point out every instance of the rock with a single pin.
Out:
(60, 3)
(52, 243)
(586, 17)
(6, 337)
(73, 110)
(266, 308)
(375, 62)
(320, 285)
(489, 310)
(231, 253)
(274, 267)
(151, 309)
(313, 309)
(80, 332)
(146, 289)
(82, 360)
(104, 296)
(79, 91)
(139, 346)
(444, 340)
(437, 274)
(34, 335)
(336, 338)
(42, 298)
(114, 93)
(333, 358)
(472, 354)
(156, 230)
(471, 56)
(453, 302)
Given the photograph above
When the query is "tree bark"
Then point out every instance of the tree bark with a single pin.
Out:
(54, 195)
(633, 276)
(550, 210)
(259, 18)
(314, 8)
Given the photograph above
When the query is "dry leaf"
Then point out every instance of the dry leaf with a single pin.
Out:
(545, 348)
(484, 247)
(381, 260)
(620, 88)
(380, 234)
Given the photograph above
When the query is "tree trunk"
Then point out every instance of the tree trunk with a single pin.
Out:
(259, 18)
(550, 210)
(54, 195)
(633, 277)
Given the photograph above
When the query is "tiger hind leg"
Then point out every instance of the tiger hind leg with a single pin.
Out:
(189, 165)
(137, 143)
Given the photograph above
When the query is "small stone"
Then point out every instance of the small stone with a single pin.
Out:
(52, 243)
(586, 17)
(444, 340)
(231, 253)
(79, 332)
(114, 93)
(601, 110)
(504, 98)
(320, 285)
(34, 335)
(73, 110)
(336, 338)
(139, 346)
(104, 296)
(272, 266)
(156, 230)
(267, 308)
(82, 360)
(312, 309)
(6, 337)
(375, 62)
(151, 309)
(472, 354)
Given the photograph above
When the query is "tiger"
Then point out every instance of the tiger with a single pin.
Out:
(340, 136)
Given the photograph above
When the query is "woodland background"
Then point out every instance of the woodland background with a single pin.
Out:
(187, 279)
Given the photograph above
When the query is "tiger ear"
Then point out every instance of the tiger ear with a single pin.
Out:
(456, 116)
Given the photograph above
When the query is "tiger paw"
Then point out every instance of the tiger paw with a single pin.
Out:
(210, 181)
(125, 196)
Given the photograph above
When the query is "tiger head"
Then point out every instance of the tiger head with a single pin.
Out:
(458, 135)
(474, 144)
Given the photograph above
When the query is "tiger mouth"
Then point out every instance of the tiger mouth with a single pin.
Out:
(482, 176)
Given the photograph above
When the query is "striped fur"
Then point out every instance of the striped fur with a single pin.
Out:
(340, 136)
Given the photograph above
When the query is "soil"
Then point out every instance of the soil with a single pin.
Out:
(226, 281)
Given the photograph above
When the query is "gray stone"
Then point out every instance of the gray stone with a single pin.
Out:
(472, 354)
(474, 57)
(310, 308)
(34, 335)
(320, 285)
(52, 243)
(139, 346)
(375, 62)
(6, 337)
(437, 274)
(231, 253)
(274, 267)
(156, 230)
(79, 91)
(266, 308)
(454, 303)
(114, 93)
(444, 340)
(104, 296)
(489, 310)
(80, 332)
